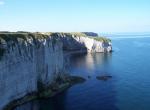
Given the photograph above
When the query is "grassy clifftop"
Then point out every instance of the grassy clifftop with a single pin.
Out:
(103, 39)
(7, 36)
(63, 33)
(83, 34)
(23, 36)
(14, 36)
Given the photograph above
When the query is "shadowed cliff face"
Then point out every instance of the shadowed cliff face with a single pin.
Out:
(29, 58)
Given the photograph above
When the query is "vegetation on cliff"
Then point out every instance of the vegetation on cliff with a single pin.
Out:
(14, 36)
(102, 39)
(68, 34)
(91, 34)
(7, 36)
(81, 34)
(8, 39)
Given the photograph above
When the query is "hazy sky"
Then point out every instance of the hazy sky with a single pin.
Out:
(75, 15)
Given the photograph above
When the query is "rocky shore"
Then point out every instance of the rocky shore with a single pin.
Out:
(53, 89)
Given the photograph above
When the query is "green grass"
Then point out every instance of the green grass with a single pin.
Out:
(7, 36)
(24, 35)
(102, 39)
(67, 34)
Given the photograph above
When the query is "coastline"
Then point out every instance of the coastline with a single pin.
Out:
(49, 92)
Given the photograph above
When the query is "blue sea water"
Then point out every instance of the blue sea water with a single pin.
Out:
(128, 89)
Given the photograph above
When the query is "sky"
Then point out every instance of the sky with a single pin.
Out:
(105, 16)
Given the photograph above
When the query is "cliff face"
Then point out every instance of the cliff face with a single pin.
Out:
(29, 59)
(85, 43)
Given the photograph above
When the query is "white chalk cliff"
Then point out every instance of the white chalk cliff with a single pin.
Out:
(26, 59)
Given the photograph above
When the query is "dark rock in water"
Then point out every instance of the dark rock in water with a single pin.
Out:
(104, 77)
(76, 80)
(89, 77)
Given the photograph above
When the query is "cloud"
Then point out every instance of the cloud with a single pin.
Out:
(2, 2)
